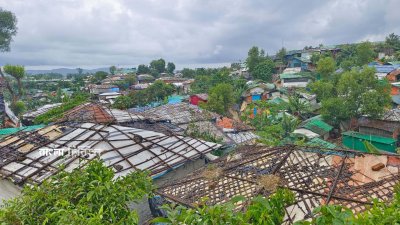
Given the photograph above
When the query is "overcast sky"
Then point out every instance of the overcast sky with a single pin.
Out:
(127, 32)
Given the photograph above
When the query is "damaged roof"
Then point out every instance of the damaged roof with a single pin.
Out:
(125, 149)
(180, 113)
(345, 178)
(40, 111)
(193, 119)
(392, 115)
(97, 113)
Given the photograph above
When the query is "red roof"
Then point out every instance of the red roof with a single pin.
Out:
(89, 112)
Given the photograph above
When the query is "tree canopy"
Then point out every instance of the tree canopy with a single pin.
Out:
(356, 93)
(170, 67)
(157, 92)
(8, 29)
(365, 53)
(264, 70)
(220, 98)
(326, 66)
(254, 57)
(393, 41)
(158, 65)
(17, 72)
(112, 70)
(260, 66)
(143, 69)
(99, 76)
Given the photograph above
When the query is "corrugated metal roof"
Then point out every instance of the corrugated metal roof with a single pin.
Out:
(372, 138)
(316, 125)
(97, 113)
(293, 75)
(384, 68)
(396, 99)
(179, 113)
(125, 149)
(40, 110)
(318, 142)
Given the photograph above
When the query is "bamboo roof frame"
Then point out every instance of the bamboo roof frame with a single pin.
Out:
(124, 149)
(316, 176)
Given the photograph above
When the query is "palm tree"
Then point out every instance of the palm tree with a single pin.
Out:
(17, 72)
(298, 107)
(288, 124)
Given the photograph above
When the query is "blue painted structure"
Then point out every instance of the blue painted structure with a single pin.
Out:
(298, 59)
(255, 97)
(115, 89)
(384, 68)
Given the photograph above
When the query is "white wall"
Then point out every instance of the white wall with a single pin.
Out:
(294, 84)
(8, 190)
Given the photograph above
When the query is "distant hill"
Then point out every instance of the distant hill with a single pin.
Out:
(65, 71)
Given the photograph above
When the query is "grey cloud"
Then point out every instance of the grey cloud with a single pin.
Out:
(125, 32)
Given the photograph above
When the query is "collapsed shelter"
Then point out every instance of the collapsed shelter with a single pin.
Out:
(192, 119)
(24, 157)
(317, 177)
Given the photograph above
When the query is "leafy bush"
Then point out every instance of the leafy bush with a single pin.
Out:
(379, 213)
(261, 210)
(58, 112)
(88, 196)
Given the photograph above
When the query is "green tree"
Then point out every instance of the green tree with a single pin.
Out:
(264, 70)
(334, 110)
(170, 67)
(113, 69)
(130, 79)
(123, 102)
(358, 93)
(87, 196)
(347, 52)
(158, 65)
(296, 106)
(143, 69)
(220, 98)
(347, 64)
(159, 90)
(18, 108)
(326, 66)
(281, 54)
(8, 29)
(365, 53)
(254, 57)
(17, 72)
(289, 124)
(322, 89)
(99, 76)
(200, 85)
(315, 57)
(188, 73)
(393, 41)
